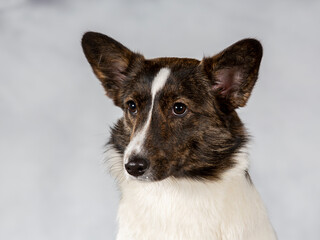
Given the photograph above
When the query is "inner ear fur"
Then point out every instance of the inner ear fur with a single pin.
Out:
(234, 71)
(110, 61)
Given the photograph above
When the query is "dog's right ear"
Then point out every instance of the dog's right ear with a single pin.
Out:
(110, 61)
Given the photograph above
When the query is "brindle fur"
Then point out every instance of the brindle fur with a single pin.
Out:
(200, 145)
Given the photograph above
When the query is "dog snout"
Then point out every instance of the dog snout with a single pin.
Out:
(137, 166)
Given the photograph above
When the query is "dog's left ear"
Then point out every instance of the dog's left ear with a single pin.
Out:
(234, 71)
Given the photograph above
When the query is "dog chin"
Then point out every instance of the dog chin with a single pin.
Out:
(147, 177)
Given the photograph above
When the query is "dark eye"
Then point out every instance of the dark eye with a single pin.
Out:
(179, 109)
(132, 107)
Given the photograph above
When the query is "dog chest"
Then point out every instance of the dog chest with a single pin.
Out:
(183, 209)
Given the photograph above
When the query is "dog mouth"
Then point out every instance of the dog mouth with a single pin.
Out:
(145, 178)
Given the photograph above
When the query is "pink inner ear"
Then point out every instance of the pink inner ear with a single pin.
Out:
(228, 80)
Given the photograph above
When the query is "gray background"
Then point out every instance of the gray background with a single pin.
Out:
(54, 117)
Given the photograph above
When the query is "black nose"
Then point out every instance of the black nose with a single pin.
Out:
(137, 166)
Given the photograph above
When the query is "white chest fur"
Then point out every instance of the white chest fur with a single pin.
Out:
(175, 209)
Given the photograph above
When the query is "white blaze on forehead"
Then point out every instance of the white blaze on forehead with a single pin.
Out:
(159, 81)
(137, 141)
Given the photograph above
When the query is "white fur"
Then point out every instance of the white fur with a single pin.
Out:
(135, 145)
(172, 209)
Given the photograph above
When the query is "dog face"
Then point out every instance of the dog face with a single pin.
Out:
(179, 114)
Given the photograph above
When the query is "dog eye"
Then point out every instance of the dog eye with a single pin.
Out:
(132, 107)
(179, 109)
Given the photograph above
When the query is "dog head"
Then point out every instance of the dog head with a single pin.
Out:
(179, 113)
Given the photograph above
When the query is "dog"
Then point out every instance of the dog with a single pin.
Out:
(179, 152)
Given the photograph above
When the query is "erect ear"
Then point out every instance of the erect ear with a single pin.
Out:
(110, 61)
(234, 71)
